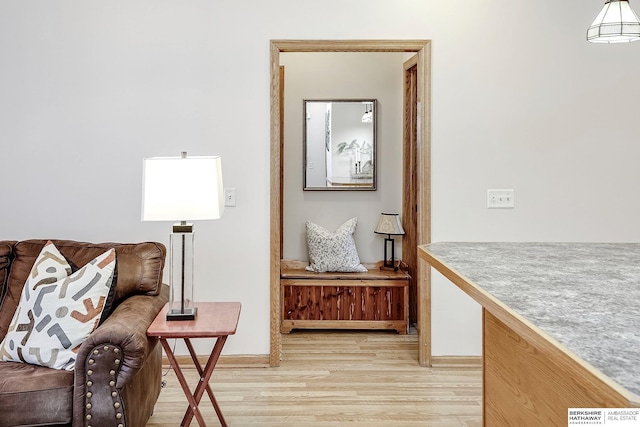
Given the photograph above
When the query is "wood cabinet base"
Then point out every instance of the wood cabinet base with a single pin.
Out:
(532, 383)
(289, 325)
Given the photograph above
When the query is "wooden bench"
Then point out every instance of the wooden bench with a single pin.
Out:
(377, 299)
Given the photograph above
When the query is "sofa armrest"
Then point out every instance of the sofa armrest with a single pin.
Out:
(111, 357)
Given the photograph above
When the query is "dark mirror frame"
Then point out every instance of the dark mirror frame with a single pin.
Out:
(362, 168)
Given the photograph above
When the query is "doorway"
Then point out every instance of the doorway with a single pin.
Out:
(421, 203)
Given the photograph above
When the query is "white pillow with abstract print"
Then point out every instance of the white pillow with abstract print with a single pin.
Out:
(333, 251)
(58, 310)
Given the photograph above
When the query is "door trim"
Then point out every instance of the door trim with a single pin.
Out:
(409, 179)
(423, 50)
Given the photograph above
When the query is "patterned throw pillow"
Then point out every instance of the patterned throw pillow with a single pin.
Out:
(333, 251)
(57, 310)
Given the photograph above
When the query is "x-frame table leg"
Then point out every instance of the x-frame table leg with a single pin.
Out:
(205, 375)
(203, 384)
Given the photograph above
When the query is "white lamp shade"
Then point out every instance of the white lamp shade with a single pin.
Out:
(616, 23)
(389, 223)
(182, 188)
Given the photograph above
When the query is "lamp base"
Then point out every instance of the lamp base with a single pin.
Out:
(389, 261)
(182, 314)
(391, 266)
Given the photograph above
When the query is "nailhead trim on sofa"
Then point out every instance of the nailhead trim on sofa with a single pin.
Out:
(106, 355)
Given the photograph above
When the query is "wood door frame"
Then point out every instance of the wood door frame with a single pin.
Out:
(409, 179)
(423, 50)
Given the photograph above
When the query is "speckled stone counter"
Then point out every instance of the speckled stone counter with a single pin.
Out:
(586, 296)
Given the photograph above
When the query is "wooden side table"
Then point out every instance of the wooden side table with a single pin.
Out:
(214, 320)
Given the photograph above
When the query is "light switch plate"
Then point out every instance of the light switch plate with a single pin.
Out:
(500, 199)
(229, 196)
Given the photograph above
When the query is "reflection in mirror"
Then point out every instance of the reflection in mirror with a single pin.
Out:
(340, 144)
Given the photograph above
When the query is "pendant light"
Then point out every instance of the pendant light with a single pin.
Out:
(616, 23)
(367, 117)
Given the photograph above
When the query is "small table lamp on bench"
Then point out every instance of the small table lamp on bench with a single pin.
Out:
(181, 189)
(390, 225)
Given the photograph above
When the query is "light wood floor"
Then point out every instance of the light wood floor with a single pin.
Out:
(363, 379)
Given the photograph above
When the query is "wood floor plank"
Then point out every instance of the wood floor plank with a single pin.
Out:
(336, 378)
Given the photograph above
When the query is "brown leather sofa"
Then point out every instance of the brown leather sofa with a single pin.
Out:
(118, 371)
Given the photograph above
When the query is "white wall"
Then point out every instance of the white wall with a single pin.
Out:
(318, 164)
(342, 76)
(520, 100)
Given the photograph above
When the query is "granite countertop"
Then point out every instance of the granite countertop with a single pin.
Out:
(584, 295)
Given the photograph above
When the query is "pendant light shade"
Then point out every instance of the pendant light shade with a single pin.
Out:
(616, 23)
(367, 117)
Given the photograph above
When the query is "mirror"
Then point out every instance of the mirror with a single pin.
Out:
(339, 144)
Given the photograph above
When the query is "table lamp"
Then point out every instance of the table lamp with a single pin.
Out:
(390, 225)
(182, 189)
